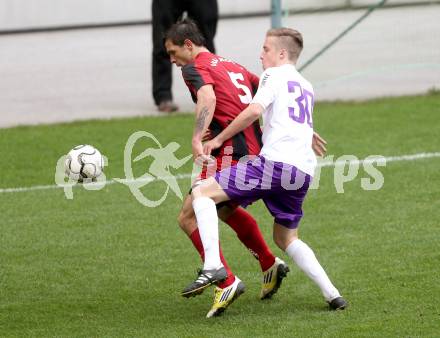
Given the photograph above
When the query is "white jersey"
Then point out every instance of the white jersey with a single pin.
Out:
(287, 99)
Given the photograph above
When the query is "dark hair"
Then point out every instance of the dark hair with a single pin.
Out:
(185, 29)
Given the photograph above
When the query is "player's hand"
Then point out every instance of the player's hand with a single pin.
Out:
(318, 145)
(197, 149)
(199, 157)
(209, 146)
(207, 135)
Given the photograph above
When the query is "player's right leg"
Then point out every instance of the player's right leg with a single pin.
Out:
(207, 221)
(226, 291)
(188, 224)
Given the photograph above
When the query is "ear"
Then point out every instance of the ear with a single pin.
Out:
(283, 54)
(188, 43)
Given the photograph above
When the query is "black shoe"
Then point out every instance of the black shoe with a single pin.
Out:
(205, 279)
(338, 303)
(167, 107)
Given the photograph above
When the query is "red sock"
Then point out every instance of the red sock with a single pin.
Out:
(197, 242)
(250, 235)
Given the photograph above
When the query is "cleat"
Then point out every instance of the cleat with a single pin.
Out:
(205, 279)
(338, 303)
(225, 297)
(272, 278)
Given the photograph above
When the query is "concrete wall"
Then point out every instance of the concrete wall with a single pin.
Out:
(27, 14)
(19, 14)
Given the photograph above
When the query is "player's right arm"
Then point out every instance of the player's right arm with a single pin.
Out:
(200, 82)
(205, 107)
(241, 122)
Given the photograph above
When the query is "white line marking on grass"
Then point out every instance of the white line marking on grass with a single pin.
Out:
(372, 159)
(413, 157)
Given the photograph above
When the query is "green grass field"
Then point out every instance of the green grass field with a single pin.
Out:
(104, 265)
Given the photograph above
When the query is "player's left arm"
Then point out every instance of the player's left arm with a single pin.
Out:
(205, 107)
(241, 122)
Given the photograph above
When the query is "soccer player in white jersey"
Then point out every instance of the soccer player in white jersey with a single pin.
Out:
(280, 175)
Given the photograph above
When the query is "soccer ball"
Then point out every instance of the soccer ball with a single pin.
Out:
(84, 162)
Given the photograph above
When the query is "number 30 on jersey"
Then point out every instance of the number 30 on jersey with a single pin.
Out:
(302, 107)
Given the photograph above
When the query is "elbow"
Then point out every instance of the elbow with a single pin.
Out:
(255, 111)
(210, 100)
(255, 115)
(206, 96)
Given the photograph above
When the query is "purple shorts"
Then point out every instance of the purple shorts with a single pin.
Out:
(282, 187)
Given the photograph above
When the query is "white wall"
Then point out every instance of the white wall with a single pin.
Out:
(22, 14)
(17, 14)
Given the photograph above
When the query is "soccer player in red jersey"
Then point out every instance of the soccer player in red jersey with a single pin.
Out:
(221, 89)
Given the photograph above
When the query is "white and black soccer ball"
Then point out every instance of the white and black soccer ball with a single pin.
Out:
(84, 162)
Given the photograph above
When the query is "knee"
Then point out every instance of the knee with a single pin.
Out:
(182, 219)
(186, 222)
(279, 242)
(283, 241)
(224, 211)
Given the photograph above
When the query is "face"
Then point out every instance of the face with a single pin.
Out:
(179, 55)
(271, 54)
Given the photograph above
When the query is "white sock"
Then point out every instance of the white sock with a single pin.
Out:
(305, 258)
(207, 221)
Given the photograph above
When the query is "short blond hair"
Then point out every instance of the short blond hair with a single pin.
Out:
(289, 39)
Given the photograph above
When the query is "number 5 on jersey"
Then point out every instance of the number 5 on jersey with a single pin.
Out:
(247, 97)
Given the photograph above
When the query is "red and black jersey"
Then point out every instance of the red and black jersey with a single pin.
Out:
(234, 87)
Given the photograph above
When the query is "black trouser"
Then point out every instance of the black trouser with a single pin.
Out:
(165, 13)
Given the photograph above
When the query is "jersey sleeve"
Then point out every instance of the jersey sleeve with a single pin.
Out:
(197, 76)
(267, 89)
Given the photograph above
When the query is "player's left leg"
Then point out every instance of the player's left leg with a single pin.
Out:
(287, 240)
(289, 188)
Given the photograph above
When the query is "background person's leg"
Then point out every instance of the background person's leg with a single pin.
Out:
(205, 13)
(164, 14)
